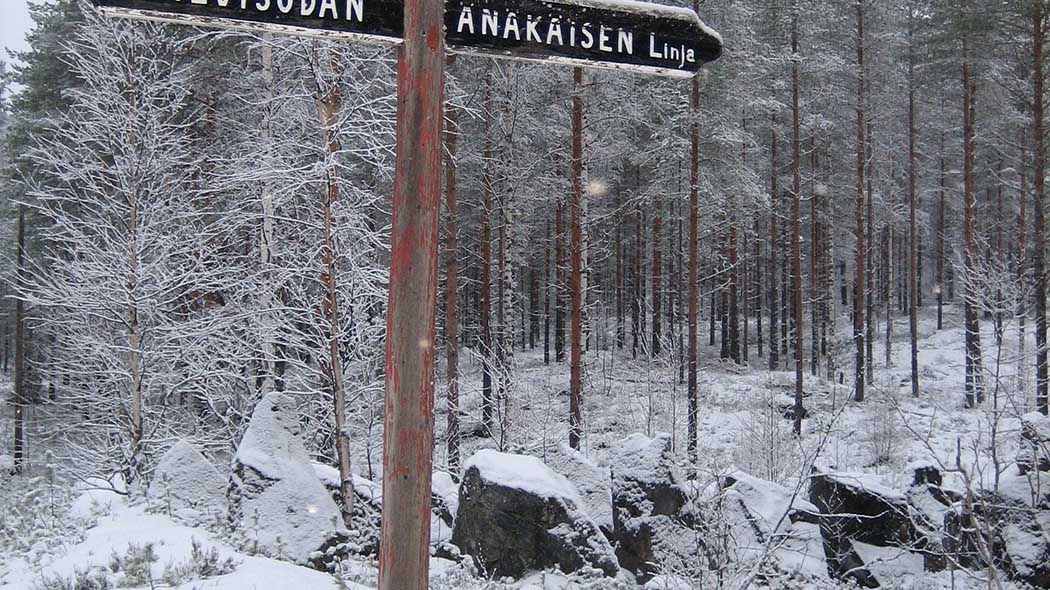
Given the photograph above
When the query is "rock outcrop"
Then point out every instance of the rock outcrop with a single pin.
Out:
(276, 500)
(187, 486)
(648, 498)
(516, 515)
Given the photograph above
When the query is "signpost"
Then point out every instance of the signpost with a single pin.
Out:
(615, 34)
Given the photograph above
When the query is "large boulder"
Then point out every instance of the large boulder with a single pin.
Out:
(648, 498)
(775, 526)
(1034, 454)
(516, 515)
(187, 486)
(1005, 525)
(276, 500)
(861, 509)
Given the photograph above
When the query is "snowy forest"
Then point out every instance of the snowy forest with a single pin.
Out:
(780, 325)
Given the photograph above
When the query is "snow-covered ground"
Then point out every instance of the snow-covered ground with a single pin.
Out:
(53, 532)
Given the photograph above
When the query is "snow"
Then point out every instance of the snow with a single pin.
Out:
(7, 463)
(592, 482)
(443, 486)
(868, 482)
(766, 528)
(185, 483)
(281, 503)
(523, 472)
(172, 543)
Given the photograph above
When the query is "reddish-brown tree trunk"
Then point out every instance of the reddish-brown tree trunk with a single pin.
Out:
(408, 435)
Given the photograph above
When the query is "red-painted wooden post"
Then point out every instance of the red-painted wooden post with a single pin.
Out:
(408, 438)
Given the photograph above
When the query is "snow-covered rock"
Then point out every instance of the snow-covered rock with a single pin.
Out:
(1017, 534)
(593, 482)
(862, 509)
(774, 525)
(276, 499)
(517, 515)
(187, 486)
(366, 520)
(1034, 453)
(648, 500)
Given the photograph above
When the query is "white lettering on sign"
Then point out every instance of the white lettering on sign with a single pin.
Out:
(557, 28)
(556, 32)
(465, 20)
(326, 9)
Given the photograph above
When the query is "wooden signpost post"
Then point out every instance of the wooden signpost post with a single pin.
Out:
(612, 34)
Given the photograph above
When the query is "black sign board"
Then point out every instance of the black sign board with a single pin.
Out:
(621, 34)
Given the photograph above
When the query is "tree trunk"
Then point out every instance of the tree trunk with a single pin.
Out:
(657, 334)
(20, 345)
(858, 293)
(408, 434)
(329, 106)
(796, 221)
(774, 349)
(974, 370)
(1039, 260)
(488, 194)
(547, 292)
(913, 258)
(940, 239)
(576, 361)
(694, 181)
(451, 286)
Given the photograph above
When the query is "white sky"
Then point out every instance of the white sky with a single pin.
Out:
(14, 24)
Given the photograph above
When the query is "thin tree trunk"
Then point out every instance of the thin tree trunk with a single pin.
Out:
(451, 286)
(974, 376)
(547, 292)
(774, 197)
(940, 239)
(657, 334)
(20, 345)
(620, 330)
(576, 361)
(488, 194)
(329, 107)
(796, 222)
(913, 233)
(267, 299)
(694, 180)
(858, 293)
(1039, 260)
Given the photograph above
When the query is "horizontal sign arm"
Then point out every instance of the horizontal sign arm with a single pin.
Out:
(618, 34)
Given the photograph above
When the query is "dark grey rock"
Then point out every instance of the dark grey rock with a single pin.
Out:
(516, 515)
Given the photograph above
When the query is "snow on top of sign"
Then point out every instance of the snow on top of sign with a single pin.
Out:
(522, 472)
(649, 9)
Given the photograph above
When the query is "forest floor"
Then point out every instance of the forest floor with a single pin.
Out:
(56, 530)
